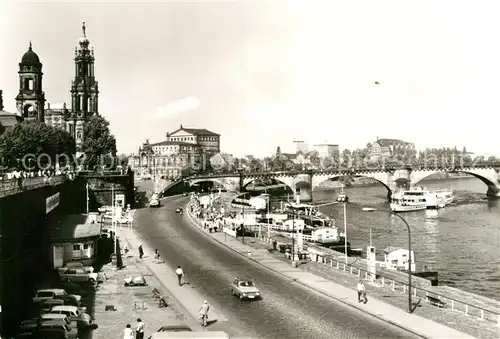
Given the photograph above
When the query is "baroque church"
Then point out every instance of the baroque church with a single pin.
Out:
(30, 101)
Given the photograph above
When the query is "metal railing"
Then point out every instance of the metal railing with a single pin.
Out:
(13, 186)
(481, 313)
(396, 285)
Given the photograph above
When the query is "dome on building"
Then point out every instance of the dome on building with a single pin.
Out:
(30, 57)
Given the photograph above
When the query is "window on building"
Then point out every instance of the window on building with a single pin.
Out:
(29, 84)
(86, 246)
(80, 102)
(76, 247)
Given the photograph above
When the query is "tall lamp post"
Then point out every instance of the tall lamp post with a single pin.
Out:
(370, 209)
(293, 229)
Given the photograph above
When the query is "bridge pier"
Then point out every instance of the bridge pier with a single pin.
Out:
(493, 191)
(303, 187)
(305, 194)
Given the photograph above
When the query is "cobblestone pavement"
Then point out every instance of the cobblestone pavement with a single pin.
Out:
(131, 303)
(457, 320)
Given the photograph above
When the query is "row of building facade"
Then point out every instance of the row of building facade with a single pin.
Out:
(379, 148)
(184, 151)
(32, 105)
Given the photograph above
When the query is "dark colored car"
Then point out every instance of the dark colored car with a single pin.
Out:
(174, 328)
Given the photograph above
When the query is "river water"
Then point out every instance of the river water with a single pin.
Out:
(461, 241)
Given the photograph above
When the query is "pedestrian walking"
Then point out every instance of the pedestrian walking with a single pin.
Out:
(361, 292)
(157, 256)
(204, 313)
(139, 331)
(180, 273)
(128, 333)
(141, 252)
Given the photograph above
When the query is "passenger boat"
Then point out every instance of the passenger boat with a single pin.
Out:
(439, 198)
(414, 199)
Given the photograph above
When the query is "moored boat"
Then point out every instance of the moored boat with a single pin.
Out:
(439, 198)
(410, 200)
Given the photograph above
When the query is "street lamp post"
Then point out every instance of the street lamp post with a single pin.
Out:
(293, 229)
(370, 209)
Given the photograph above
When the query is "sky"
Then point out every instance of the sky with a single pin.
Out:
(266, 73)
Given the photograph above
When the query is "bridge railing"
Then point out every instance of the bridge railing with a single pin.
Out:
(13, 186)
(348, 170)
(484, 314)
(481, 313)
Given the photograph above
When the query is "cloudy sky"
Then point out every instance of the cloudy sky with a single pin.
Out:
(266, 73)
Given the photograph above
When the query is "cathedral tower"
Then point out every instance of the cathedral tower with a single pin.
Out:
(84, 88)
(31, 99)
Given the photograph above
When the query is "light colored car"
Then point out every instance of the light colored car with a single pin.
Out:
(52, 316)
(190, 335)
(244, 289)
(50, 293)
(82, 319)
(76, 265)
(71, 332)
(155, 200)
(78, 276)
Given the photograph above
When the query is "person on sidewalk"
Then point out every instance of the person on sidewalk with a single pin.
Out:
(139, 331)
(204, 313)
(361, 292)
(141, 252)
(180, 273)
(128, 333)
(157, 256)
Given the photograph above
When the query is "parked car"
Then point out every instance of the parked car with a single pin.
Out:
(83, 319)
(46, 305)
(179, 210)
(135, 281)
(71, 301)
(72, 333)
(64, 317)
(173, 328)
(49, 293)
(105, 208)
(50, 333)
(76, 265)
(78, 276)
(244, 289)
(29, 326)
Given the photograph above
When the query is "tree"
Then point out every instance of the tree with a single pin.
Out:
(99, 145)
(314, 159)
(35, 146)
(346, 158)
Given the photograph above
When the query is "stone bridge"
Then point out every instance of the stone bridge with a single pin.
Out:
(303, 183)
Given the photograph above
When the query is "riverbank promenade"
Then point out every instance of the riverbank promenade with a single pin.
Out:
(342, 289)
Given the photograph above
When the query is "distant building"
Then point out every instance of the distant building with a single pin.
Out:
(185, 151)
(386, 147)
(222, 162)
(301, 147)
(7, 120)
(327, 150)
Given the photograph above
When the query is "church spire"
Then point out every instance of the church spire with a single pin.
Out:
(30, 47)
(83, 30)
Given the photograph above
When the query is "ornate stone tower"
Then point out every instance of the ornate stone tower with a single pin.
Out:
(31, 99)
(84, 88)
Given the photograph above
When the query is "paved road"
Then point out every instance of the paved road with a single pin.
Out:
(287, 310)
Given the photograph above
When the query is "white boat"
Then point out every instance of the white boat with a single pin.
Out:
(414, 199)
(439, 198)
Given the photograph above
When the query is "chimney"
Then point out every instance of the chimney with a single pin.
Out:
(1, 101)
(48, 105)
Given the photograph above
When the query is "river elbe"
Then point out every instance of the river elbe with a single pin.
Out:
(461, 241)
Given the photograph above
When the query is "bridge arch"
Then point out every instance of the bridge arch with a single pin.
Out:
(282, 180)
(318, 180)
(230, 187)
(489, 176)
